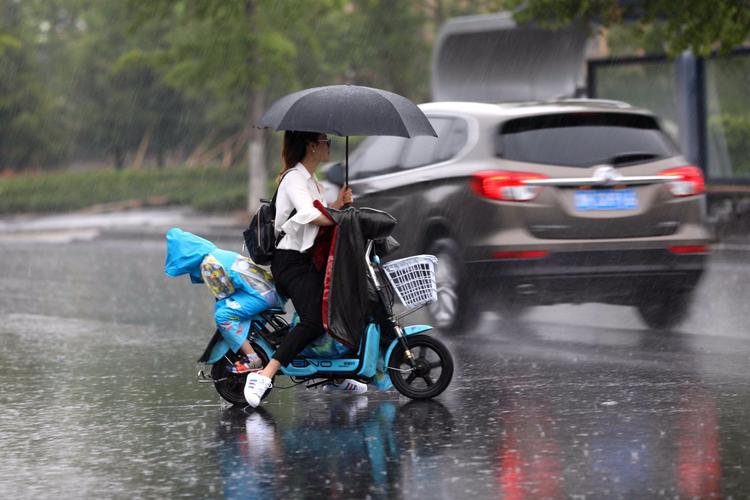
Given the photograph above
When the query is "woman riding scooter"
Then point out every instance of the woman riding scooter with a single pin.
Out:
(298, 262)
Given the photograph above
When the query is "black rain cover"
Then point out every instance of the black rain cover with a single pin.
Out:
(346, 303)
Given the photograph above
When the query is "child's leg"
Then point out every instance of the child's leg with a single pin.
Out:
(247, 349)
(233, 316)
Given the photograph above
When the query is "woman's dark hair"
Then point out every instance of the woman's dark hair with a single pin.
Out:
(295, 147)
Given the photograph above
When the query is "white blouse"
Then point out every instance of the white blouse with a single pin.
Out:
(298, 189)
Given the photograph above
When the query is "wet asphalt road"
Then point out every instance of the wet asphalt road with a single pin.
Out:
(99, 399)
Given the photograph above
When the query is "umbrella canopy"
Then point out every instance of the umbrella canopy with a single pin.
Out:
(347, 110)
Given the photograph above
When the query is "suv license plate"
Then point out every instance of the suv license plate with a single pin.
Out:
(606, 199)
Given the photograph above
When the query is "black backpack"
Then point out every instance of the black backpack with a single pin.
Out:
(260, 238)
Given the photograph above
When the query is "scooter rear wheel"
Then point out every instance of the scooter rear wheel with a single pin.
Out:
(431, 375)
(231, 386)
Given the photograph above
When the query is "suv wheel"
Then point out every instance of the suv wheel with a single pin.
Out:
(454, 310)
(665, 310)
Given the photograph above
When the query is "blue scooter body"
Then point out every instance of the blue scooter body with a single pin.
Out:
(424, 371)
(364, 365)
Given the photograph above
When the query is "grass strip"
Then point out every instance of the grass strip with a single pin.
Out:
(207, 189)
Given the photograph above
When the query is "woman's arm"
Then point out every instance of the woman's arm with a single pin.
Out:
(301, 199)
(344, 198)
(327, 220)
(322, 220)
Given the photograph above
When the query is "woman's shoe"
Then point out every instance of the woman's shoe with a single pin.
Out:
(256, 386)
(347, 385)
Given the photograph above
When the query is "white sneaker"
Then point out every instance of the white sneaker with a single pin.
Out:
(256, 386)
(347, 385)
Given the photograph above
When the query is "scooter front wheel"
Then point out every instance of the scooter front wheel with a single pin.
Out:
(231, 386)
(432, 372)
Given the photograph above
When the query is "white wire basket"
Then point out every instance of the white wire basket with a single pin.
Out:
(413, 279)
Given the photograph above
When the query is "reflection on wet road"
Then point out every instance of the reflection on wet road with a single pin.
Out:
(350, 448)
(100, 399)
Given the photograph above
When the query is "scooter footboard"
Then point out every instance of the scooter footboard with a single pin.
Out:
(364, 365)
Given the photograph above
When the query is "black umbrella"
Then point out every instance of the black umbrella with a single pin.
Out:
(347, 110)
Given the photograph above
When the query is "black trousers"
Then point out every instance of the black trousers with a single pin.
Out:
(297, 279)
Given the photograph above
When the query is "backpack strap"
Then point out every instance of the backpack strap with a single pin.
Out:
(275, 193)
(273, 202)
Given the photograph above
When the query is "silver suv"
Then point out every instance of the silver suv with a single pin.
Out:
(540, 203)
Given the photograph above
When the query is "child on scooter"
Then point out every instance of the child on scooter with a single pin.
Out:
(241, 288)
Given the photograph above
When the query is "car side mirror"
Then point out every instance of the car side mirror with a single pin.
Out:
(335, 174)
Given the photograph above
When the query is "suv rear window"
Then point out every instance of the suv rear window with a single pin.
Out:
(386, 154)
(583, 139)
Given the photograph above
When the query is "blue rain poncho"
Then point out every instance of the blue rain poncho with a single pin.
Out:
(242, 289)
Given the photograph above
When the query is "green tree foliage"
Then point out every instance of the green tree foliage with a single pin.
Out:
(30, 129)
(382, 44)
(87, 78)
(70, 89)
(120, 99)
(235, 55)
(698, 25)
(735, 129)
(226, 51)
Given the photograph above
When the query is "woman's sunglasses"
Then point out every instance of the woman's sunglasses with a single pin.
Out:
(327, 141)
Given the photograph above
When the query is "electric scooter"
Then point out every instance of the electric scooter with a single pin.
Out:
(417, 365)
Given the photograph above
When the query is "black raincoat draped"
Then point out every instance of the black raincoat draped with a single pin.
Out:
(347, 305)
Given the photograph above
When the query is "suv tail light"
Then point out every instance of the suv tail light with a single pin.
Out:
(685, 249)
(521, 254)
(506, 185)
(689, 181)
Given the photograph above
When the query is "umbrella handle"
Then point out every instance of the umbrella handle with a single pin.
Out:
(346, 156)
(346, 169)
